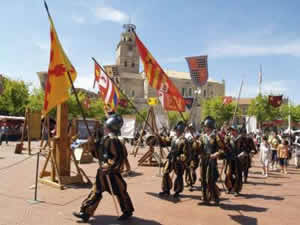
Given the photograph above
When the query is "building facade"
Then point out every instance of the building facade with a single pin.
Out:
(126, 73)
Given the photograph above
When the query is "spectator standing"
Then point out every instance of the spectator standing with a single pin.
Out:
(265, 155)
(1, 134)
(6, 134)
(273, 141)
(297, 153)
(283, 151)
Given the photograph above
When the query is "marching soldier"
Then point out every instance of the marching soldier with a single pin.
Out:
(193, 161)
(246, 148)
(111, 156)
(211, 148)
(233, 170)
(175, 162)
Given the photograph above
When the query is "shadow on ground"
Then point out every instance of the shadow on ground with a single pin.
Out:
(263, 183)
(244, 220)
(254, 172)
(131, 174)
(170, 198)
(265, 197)
(244, 208)
(112, 220)
(79, 186)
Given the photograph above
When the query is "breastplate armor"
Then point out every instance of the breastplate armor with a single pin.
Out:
(209, 144)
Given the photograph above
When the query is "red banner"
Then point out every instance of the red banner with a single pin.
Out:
(227, 100)
(198, 69)
(275, 101)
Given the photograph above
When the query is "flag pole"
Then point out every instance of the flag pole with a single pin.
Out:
(260, 80)
(71, 82)
(237, 104)
(78, 102)
(127, 99)
(90, 134)
(289, 117)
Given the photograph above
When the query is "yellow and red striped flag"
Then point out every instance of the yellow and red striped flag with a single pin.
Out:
(108, 90)
(58, 83)
(171, 98)
(97, 74)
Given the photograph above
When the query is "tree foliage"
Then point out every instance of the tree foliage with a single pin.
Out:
(215, 108)
(36, 99)
(175, 117)
(263, 111)
(14, 98)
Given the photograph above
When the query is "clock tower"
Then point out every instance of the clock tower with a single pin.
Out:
(127, 58)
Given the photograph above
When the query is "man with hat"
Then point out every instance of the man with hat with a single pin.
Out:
(247, 148)
(211, 148)
(175, 162)
(192, 162)
(111, 156)
(233, 170)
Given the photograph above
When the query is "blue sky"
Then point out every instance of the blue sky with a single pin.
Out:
(238, 36)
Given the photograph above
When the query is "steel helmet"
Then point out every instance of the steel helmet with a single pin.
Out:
(180, 126)
(209, 122)
(114, 123)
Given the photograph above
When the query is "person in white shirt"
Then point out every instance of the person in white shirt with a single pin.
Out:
(265, 155)
(297, 152)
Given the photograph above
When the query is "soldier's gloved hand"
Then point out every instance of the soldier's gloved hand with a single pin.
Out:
(182, 157)
(214, 156)
(111, 162)
(105, 166)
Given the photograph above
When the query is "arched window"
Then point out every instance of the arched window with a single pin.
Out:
(132, 64)
(125, 63)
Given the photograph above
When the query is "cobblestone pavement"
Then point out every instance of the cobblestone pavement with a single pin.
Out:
(274, 200)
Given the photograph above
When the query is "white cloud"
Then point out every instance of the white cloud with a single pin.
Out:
(111, 14)
(226, 49)
(275, 87)
(78, 19)
(268, 87)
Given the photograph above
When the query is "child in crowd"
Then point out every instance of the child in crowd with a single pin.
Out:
(283, 151)
(265, 155)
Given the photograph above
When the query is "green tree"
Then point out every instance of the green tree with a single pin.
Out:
(175, 117)
(294, 110)
(215, 108)
(263, 111)
(14, 98)
(36, 99)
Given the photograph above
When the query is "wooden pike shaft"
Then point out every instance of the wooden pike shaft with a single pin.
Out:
(237, 104)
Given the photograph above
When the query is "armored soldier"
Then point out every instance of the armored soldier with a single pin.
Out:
(211, 148)
(111, 157)
(233, 170)
(192, 162)
(175, 162)
(246, 148)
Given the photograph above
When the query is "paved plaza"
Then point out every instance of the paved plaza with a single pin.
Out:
(274, 200)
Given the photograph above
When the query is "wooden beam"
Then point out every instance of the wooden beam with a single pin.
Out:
(62, 154)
